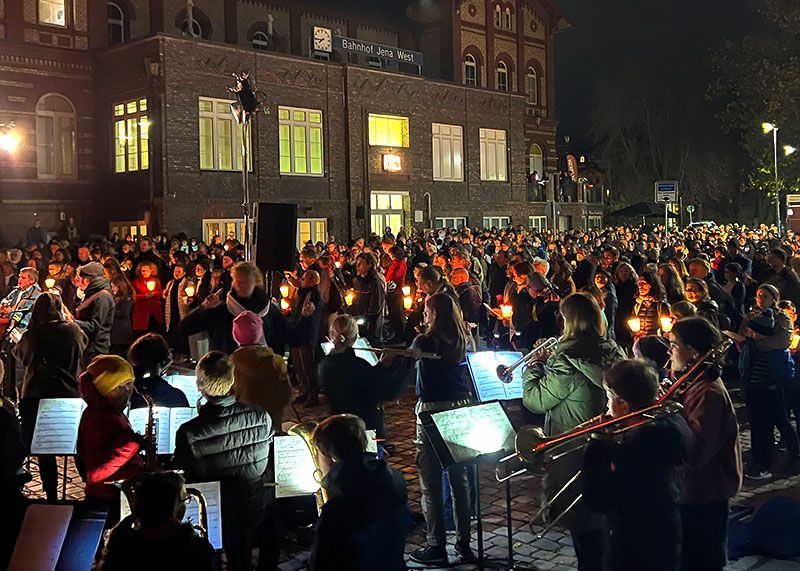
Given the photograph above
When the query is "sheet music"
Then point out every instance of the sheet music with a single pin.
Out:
(41, 538)
(211, 493)
(472, 431)
(368, 356)
(372, 442)
(294, 467)
(187, 384)
(167, 421)
(488, 386)
(57, 424)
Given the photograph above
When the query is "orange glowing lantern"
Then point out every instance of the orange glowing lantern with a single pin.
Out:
(506, 311)
(635, 324)
(408, 301)
(151, 285)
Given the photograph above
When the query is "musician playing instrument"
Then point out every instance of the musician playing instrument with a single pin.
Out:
(714, 462)
(441, 385)
(633, 482)
(351, 384)
(15, 308)
(363, 524)
(567, 386)
(108, 448)
(150, 357)
(154, 535)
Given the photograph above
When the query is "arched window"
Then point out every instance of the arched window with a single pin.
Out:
(536, 161)
(507, 18)
(470, 71)
(502, 76)
(260, 41)
(116, 24)
(196, 31)
(56, 155)
(498, 16)
(532, 86)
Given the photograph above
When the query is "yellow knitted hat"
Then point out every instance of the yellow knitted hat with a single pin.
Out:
(108, 372)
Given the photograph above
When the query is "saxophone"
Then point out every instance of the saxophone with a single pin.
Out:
(151, 463)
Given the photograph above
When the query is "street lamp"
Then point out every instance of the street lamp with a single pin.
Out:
(9, 139)
(767, 127)
(788, 150)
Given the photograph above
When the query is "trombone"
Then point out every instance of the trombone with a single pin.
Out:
(505, 372)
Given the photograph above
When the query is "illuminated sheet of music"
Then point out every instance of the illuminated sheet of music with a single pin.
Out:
(488, 386)
(472, 431)
(167, 421)
(188, 385)
(294, 468)
(57, 424)
(41, 538)
(372, 442)
(211, 493)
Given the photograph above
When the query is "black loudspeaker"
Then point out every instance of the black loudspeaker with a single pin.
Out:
(275, 236)
(361, 212)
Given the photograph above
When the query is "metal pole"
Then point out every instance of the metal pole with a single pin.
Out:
(777, 189)
(246, 188)
(666, 219)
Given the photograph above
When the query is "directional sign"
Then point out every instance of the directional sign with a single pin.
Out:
(793, 200)
(666, 191)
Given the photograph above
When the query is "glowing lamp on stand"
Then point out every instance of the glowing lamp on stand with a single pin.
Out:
(635, 324)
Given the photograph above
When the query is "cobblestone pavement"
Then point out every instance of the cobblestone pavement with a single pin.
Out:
(552, 552)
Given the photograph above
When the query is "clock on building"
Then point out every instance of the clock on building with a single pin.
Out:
(322, 39)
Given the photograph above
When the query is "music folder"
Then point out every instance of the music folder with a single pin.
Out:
(211, 493)
(483, 370)
(167, 422)
(56, 431)
(474, 433)
(187, 384)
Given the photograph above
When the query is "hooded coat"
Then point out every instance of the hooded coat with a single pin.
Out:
(261, 377)
(107, 445)
(95, 317)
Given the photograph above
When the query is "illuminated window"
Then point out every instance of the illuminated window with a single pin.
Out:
(493, 154)
(300, 137)
(498, 16)
(311, 230)
(448, 152)
(131, 136)
(388, 131)
(53, 12)
(116, 24)
(532, 86)
(496, 222)
(470, 71)
(537, 223)
(56, 154)
(536, 160)
(507, 19)
(220, 137)
(502, 76)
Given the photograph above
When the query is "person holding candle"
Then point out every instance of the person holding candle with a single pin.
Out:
(395, 278)
(651, 304)
(370, 297)
(626, 282)
(176, 308)
(148, 307)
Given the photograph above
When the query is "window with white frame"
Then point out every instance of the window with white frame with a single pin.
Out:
(53, 12)
(537, 223)
(311, 230)
(116, 24)
(220, 136)
(131, 136)
(454, 222)
(507, 19)
(448, 152)
(470, 71)
(532, 86)
(493, 154)
(56, 154)
(496, 222)
(498, 16)
(260, 41)
(388, 130)
(502, 76)
(226, 228)
(595, 221)
(300, 136)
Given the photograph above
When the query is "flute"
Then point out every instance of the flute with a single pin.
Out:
(400, 352)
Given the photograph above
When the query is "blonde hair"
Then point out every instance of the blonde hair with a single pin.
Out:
(343, 329)
(215, 374)
(581, 315)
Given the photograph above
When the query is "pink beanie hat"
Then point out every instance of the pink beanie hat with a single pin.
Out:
(248, 329)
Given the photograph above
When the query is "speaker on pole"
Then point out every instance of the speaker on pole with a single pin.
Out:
(275, 235)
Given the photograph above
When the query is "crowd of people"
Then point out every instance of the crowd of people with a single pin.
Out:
(631, 308)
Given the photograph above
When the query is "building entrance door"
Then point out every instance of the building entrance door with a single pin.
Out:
(388, 210)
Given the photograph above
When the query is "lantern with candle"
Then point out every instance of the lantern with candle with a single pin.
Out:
(151, 285)
(406, 290)
(635, 324)
(506, 311)
(189, 290)
(284, 289)
(49, 283)
(795, 342)
(284, 304)
(349, 297)
(408, 301)
(338, 264)
(666, 323)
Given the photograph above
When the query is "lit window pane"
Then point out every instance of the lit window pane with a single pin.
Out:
(224, 144)
(206, 106)
(206, 143)
(119, 110)
(285, 149)
(299, 116)
(130, 107)
(144, 141)
(143, 105)
(119, 145)
(300, 162)
(283, 113)
(384, 202)
(132, 141)
(397, 201)
(314, 117)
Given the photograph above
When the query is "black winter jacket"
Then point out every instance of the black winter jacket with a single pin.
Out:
(96, 318)
(228, 441)
(162, 393)
(370, 302)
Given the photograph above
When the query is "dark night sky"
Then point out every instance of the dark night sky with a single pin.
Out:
(674, 37)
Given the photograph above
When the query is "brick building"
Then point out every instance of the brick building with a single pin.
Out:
(122, 109)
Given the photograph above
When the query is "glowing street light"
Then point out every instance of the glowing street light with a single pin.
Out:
(772, 128)
(788, 150)
(9, 141)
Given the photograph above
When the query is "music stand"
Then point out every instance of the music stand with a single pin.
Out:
(469, 436)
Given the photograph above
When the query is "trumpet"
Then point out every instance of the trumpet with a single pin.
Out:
(505, 372)
(413, 353)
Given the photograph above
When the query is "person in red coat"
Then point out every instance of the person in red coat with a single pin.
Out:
(148, 310)
(395, 278)
(108, 448)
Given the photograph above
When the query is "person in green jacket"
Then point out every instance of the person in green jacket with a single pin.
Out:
(566, 385)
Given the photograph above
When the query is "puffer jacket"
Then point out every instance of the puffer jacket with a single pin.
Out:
(568, 388)
(228, 441)
(649, 311)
